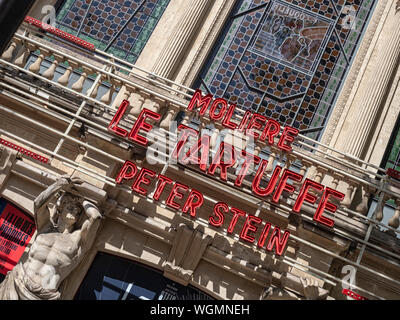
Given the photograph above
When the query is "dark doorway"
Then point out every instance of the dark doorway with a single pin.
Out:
(115, 278)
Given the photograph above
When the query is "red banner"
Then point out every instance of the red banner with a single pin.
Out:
(16, 230)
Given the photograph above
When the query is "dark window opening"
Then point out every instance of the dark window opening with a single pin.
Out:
(115, 278)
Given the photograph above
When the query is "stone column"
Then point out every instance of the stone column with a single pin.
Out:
(371, 95)
(183, 32)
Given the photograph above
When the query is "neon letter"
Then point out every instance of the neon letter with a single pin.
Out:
(324, 204)
(305, 196)
(276, 240)
(124, 174)
(218, 160)
(283, 185)
(176, 194)
(259, 175)
(182, 139)
(162, 182)
(286, 136)
(249, 227)
(113, 126)
(221, 112)
(217, 212)
(199, 101)
(271, 130)
(143, 179)
(236, 214)
(248, 160)
(140, 124)
(191, 203)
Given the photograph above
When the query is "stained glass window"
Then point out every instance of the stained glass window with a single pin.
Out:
(287, 59)
(119, 27)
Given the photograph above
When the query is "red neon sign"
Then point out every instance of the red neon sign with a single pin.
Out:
(59, 33)
(227, 156)
(24, 151)
(253, 124)
(189, 200)
(353, 295)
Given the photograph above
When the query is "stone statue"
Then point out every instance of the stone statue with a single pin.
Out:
(58, 248)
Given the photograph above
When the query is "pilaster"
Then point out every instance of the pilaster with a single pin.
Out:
(333, 134)
(374, 90)
(172, 53)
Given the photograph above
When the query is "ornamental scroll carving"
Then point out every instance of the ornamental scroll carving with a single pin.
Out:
(66, 231)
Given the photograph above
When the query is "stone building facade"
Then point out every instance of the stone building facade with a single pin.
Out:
(327, 71)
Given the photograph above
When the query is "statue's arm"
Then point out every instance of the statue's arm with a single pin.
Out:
(47, 194)
(43, 198)
(90, 226)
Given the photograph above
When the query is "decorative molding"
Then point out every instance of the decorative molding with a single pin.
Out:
(307, 287)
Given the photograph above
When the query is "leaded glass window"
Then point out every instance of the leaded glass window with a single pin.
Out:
(119, 27)
(286, 59)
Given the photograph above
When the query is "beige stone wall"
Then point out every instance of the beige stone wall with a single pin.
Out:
(189, 250)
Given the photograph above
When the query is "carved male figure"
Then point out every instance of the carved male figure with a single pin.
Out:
(58, 248)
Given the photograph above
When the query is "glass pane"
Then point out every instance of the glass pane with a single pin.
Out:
(119, 27)
(286, 59)
(115, 278)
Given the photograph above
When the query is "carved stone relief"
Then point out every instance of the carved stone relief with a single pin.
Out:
(60, 244)
(187, 249)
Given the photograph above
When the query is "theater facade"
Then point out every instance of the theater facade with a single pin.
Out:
(234, 150)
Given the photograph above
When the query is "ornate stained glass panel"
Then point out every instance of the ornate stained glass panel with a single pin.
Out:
(287, 59)
(120, 27)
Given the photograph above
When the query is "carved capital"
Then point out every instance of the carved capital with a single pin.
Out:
(187, 249)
